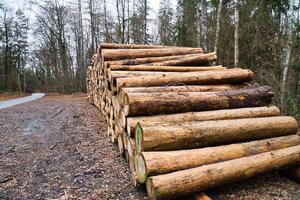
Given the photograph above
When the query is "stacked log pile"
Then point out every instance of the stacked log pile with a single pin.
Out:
(184, 125)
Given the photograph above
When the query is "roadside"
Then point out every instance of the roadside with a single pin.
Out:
(57, 148)
(12, 95)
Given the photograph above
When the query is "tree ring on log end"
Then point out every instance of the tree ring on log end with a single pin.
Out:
(141, 168)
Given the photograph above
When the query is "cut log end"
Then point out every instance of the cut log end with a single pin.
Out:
(141, 169)
(152, 193)
(138, 138)
(120, 144)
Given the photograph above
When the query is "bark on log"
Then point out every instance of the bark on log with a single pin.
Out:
(142, 104)
(186, 88)
(203, 59)
(119, 74)
(108, 54)
(138, 61)
(163, 162)
(212, 133)
(165, 68)
(228, 76)
(201, 116)
(199, 179)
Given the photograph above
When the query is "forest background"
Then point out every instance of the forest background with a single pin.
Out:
(47, 45)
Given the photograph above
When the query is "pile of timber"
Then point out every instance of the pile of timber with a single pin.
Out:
(185, 125)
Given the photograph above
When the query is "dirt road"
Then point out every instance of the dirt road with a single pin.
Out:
(56, 148)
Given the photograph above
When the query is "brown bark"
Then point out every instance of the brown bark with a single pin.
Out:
(186, 88)
(199, 179)
(189, 78)
(120, 74)
(212, 133)
(203, 59)
(108, 54)
(165, 68)
(201, 116)
(163, 162)
(142, 104)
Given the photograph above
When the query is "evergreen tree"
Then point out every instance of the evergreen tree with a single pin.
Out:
(20, 39)
(186, 25)
(166, 26)
(139, 23)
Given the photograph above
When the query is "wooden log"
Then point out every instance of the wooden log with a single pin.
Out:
(128, 46)
(199, 179)
(201, 116)
(119, 74)
(108, 54)
(121, 144)
(163, 162)
(203, 59)
(212, 133)
(142, 104)
(228, 76)
(186, 88)
(165, 68)
(138, 61)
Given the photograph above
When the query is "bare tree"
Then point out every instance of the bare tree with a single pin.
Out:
(236, 33)
(218, 25)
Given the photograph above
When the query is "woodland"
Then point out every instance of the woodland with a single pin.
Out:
(51, 51)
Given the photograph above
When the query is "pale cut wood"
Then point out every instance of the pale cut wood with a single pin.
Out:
(199, 179)
(189, 78)
(142, 104)
(201, 116)
(165, 68)
(212, 133)
(163, 162)
(108, 54)
(121, 144)
(203, 59)
(201, 196)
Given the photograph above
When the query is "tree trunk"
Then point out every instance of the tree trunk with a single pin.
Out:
(165, 68)
(236, 33)
(201, 116)
(108, 54)
(142, 104)
(163, 162)
(203, 24)
(205, 177)
(218, 25)
(228, 76)
(211, 133)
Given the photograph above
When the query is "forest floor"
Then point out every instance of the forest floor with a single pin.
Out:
(56, 148)
(8, 95)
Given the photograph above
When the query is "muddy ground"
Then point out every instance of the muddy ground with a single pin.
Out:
(56, 148)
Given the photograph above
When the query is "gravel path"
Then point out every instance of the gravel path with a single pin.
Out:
(13, 102)
(56, 148)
